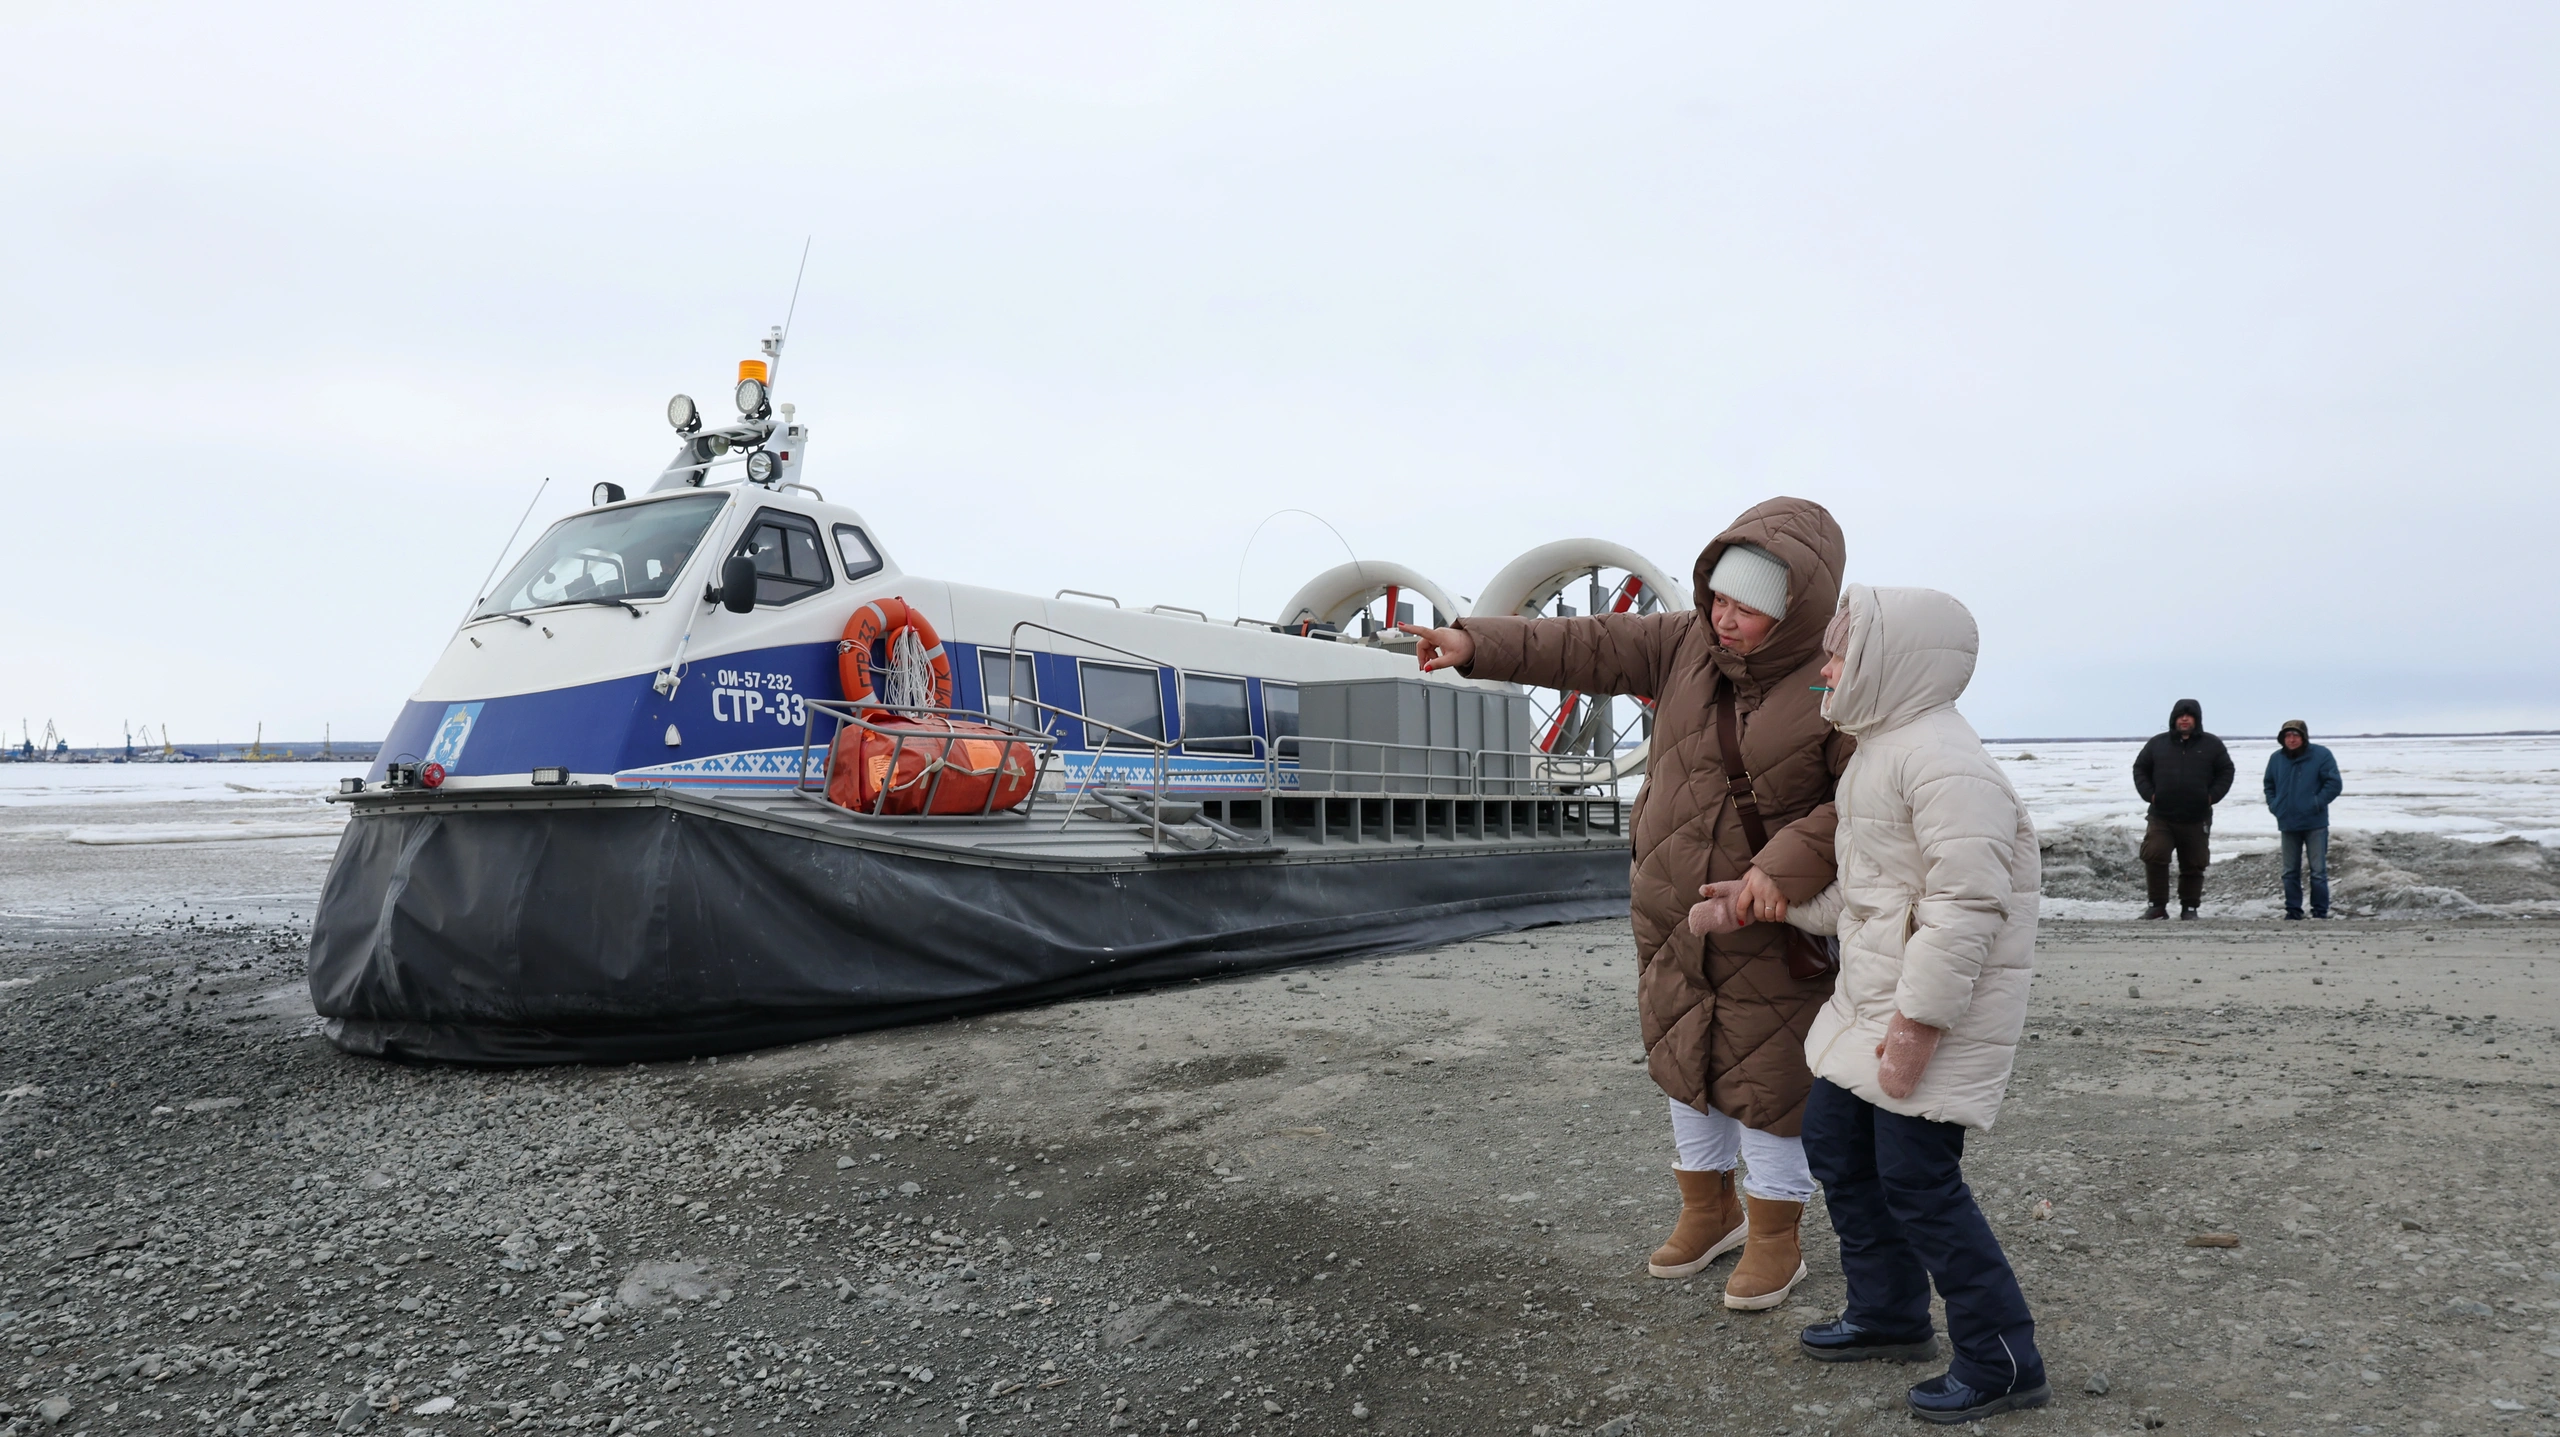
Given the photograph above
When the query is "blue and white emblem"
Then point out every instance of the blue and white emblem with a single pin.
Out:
(452, 732)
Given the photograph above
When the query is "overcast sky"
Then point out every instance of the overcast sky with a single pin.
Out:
(2204, 351)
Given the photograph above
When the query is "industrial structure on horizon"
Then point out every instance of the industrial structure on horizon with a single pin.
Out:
(140, 747)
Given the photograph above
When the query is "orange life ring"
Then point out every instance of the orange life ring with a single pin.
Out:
(884, 619)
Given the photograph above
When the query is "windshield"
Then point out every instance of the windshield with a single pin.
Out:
(615, 554)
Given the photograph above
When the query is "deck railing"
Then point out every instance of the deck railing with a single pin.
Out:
(1254, 768)
(1354, 771)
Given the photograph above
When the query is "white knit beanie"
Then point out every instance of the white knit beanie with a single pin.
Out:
(1753, 577)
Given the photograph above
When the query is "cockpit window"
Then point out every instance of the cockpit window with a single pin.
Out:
(790, 562)
(633, 551)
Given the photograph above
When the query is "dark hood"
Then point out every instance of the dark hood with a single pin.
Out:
(1802, 535)
(2293, 726)
(2187, 707)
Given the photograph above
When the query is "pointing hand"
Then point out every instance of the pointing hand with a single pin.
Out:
(1450, 648)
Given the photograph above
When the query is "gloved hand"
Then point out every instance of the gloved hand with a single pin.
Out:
(1906, 1050)
(1713, 913)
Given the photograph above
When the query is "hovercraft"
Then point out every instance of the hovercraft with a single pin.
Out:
(706, 770)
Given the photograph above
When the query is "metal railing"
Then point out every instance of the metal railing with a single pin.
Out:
(1490, 773)
(1368, 769)
(1349, 769)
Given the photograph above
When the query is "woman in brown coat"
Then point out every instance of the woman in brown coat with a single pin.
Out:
(1724, 1019)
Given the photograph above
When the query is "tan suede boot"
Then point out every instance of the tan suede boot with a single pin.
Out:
(1772, 1261)
(1710, 1225)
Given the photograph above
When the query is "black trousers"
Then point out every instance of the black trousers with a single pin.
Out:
(2193, 845)
(1906, 1220)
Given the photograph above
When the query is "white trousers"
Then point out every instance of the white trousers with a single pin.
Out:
(1710, 1142)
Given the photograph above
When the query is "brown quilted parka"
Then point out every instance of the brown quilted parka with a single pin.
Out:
(1723, 1021)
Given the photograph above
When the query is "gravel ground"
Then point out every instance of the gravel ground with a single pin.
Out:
(1404, 1195)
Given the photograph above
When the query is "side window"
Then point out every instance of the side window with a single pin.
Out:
(861, 561)
(1214, 717)
(1003, 702)
(807, 560)
(1280, 717)
(790, 563)
(1126, 698)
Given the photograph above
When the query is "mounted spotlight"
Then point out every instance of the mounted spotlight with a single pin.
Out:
(762, 466)
(707, 447)
(606, 494)
(682, 414)
(754, 400)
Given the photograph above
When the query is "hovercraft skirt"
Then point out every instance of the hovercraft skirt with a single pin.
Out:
(651, 926)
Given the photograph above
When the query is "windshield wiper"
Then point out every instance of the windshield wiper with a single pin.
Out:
(626, 603)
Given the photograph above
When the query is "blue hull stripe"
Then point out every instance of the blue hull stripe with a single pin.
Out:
(739, 720)
(750, 700)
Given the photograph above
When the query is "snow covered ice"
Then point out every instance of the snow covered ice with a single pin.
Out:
(2434, 824)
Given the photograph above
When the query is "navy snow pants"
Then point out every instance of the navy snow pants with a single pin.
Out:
(1906, 1220)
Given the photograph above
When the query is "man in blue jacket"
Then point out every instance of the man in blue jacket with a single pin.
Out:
(2301, 779)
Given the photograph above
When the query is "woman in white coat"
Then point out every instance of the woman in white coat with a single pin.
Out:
(1937, 927)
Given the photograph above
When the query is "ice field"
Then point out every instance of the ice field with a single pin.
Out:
(2427, 824)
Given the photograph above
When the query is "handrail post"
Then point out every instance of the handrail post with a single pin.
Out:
(1159, 804)
(808, 731)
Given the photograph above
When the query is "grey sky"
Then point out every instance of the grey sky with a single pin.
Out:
(2202, 350)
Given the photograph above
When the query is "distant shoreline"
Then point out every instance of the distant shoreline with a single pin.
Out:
(312, 751)
(369, 751)
(2324, 738)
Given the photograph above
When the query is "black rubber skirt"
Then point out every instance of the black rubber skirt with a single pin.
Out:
(621, 932)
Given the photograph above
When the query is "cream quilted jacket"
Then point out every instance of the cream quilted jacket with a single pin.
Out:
(1938, 867)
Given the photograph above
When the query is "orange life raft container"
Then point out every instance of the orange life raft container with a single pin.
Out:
(929, 764)
(910, 764)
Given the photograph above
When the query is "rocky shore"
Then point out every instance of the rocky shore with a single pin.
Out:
(1404, 1195)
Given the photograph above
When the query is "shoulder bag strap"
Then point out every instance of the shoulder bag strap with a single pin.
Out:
(1737, 778)
(1807, 959)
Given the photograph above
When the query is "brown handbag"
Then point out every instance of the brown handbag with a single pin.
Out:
(1808, 961)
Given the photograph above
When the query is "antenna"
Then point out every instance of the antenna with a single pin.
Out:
(1257, 533)
(483, 591)
(782, 336)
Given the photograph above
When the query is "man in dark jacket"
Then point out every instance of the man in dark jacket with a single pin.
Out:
(2301, 779)
(2182, 774)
